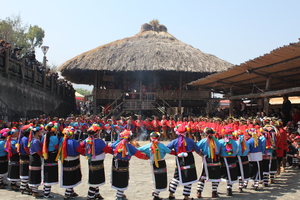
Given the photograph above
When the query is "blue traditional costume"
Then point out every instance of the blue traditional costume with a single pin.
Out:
(35, 162)
(3, 157)
(50, 165)
(242, 161)
(156, 151)
(95, 150)
(211, 171)
(228, 154)
(123, 151)
(69, 152)
(24, 159)
(269, 155)
(13, 159)
(255, 157)
(185, 171)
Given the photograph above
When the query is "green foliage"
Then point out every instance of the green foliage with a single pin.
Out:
(53, 68)
(83, 91)
(154, 22)
(35, 36)
(12, 30)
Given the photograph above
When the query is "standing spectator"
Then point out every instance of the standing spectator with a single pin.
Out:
(286, 109)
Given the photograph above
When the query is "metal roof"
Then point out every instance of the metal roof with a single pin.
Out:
(281, 66)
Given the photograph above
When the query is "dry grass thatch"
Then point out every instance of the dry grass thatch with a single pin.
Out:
(153, 48)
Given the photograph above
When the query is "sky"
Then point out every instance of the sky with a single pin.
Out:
(233, 30)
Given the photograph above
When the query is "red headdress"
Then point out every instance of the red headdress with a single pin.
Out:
(122, 145)
(181, 130)
(62, 154)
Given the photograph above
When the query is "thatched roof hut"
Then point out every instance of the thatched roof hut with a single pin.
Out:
(152, 49)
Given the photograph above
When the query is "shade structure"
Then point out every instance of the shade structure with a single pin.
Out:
(152, 49)
(78, 96)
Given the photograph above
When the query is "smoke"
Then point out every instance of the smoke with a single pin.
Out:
(143, 134)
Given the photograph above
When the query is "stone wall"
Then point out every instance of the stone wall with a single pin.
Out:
(24, 99)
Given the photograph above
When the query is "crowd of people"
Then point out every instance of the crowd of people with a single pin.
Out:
(234, 150)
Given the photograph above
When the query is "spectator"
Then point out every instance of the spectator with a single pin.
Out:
(286, 109)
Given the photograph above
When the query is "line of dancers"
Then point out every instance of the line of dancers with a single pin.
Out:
(30, 156)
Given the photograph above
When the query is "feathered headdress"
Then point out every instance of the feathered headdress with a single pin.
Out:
(90, 148)
(270, 138)
(122, 145)
(211, 142)
(51, 127)
(154, 137)
(32, 132)
(227, 141)
(253, 133)
(181, 130)
(62, 153)
(8, 147)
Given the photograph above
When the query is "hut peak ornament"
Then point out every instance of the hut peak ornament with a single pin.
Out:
(154, 25)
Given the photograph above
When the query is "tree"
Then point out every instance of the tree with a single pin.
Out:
(12, 30)
(35, 35)
(83, 91)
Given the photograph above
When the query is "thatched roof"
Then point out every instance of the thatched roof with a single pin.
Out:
(152, 49)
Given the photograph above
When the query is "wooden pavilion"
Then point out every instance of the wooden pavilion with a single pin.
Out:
(147, 72)
(272, 75)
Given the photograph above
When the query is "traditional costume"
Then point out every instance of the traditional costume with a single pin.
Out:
(255, 157)
(3, 157)
(50, 165)
(228, 159)
(156, 151)
(123, 151)
(185, 171)
(210, 148)
(24, 159)
(269, 155)
(35, 169)
(13, 159)
(95, 150)
(242, 161)
(69, 151)
(109, 132)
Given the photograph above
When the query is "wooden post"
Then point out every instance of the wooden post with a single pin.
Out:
(6, 63)
(52, 83)
(268, 82)
(58, 87)
(34, 75)
(23, 64)
(207, 108)
(266, 99)
(44, 78)
(95, 90)
(180, 94)
(266, 105)
(231, 102)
